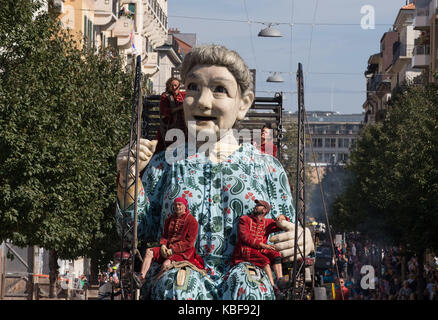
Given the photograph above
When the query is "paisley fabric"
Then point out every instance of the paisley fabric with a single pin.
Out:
(218, 194)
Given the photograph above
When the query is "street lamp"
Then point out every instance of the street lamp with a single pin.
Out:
(270, 32)
(275, 78)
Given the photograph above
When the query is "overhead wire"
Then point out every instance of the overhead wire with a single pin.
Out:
(250, 34)
(292, 14)
(277, 23)
(315, 9)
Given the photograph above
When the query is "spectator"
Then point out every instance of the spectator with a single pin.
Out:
(342, 264)
(405, 291)
(353, 249)
(394, 288)
(433, 293)
(342, 291)
(350, 265)
(328, 276)
(412, 282)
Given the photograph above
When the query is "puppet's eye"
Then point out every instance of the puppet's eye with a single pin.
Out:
(192, 86)
(220, 89)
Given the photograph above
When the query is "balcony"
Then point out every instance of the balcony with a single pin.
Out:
(374, 82)
(422, 18)
(122, 31)
(401, 54)
(421, 56)
(157, 12)
(105, 12)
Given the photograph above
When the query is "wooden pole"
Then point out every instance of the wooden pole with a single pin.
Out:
(2, 271)
(30, 273)
(36, 267)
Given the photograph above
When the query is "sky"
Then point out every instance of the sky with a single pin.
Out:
(333, 40)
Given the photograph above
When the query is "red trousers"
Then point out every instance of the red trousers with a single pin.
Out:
(195, 260)
(259, 258)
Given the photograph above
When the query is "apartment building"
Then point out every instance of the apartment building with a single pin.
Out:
(378, 80)
(426, 46)
(400, 61)
(133, 27)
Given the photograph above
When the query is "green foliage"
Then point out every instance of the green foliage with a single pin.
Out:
(394, 194)
(64, 114)
(290, 139)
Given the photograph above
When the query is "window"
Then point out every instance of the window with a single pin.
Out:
(85, 28)
(317, 142)
(320, 157)
(131, 7)
(330, 142)
(343, 157)
(330, 157)
(340, 143)
(346, 143)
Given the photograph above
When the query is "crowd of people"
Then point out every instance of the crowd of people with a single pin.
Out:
(395, 277)
(109, 283)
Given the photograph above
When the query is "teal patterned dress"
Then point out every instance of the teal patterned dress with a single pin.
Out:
(218, 194)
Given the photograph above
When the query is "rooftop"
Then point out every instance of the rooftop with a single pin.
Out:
(410, 6)
(335, 118)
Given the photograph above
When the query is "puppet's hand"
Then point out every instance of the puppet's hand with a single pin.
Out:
(146, 151)
(163, 251)
(284, 241)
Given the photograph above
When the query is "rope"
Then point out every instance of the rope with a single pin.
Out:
(323, 203)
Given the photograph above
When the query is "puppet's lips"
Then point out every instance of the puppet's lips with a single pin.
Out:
(204, 118)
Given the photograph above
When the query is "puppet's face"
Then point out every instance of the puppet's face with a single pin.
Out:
(213, 100)
(174, 86)
(266, 134)
(259, 211)
(180, 208)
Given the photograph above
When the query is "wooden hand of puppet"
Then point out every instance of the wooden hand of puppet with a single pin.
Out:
(284, 241)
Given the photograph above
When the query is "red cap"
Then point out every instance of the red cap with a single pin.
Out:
(264, 204)
(182, 200)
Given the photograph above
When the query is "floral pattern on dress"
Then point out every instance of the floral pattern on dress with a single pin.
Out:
(218, 194)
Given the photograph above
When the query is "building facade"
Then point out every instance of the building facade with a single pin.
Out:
(332, 136)
(133, 27)
(400, 61)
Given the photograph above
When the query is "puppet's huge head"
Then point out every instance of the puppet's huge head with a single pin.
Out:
(218, 87)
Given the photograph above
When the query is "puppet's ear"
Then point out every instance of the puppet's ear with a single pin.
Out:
(245, 103)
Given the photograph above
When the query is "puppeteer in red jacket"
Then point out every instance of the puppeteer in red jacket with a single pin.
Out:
(252, 246)
(179, 235)
(171, 112)
(177, 242)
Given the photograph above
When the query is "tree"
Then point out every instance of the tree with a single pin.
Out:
(289, 154)
(395, 186)
(64, 114)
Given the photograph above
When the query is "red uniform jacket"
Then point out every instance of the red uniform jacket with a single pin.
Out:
(169, 119)
(180, 234)
(165, 107)
(267, 148)
(251, 233)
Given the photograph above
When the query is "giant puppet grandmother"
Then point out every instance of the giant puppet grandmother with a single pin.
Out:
(220, 185)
